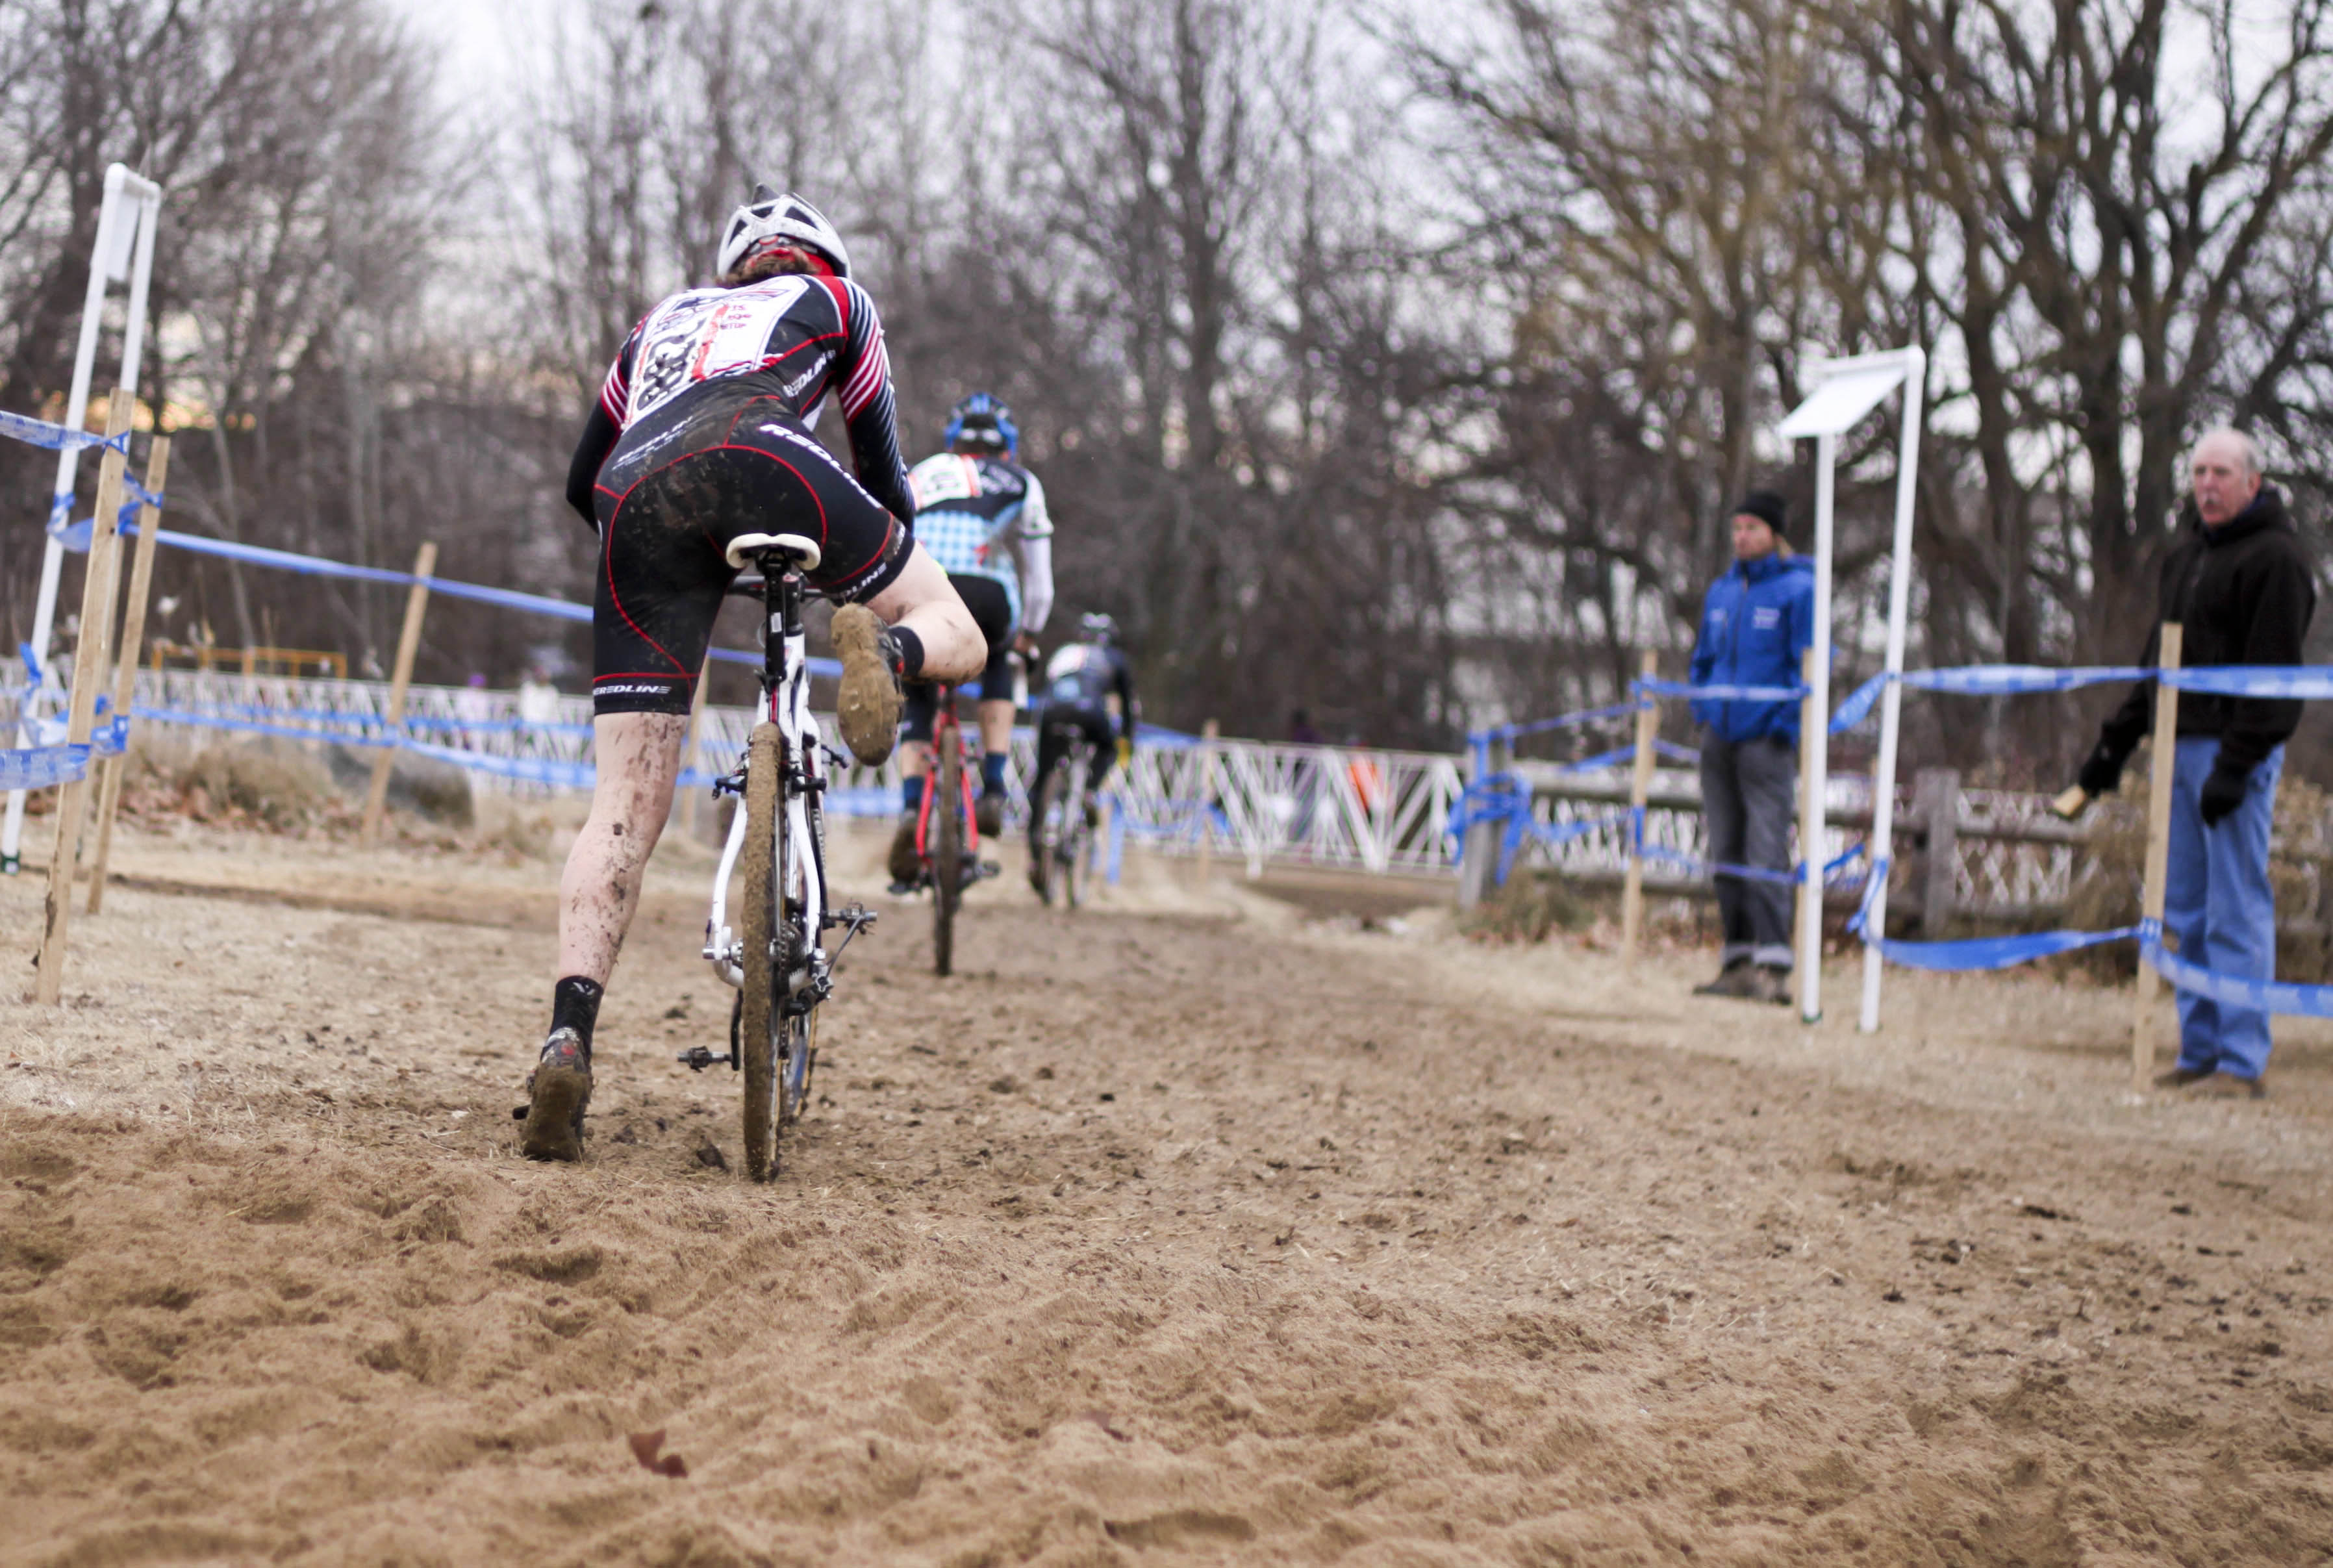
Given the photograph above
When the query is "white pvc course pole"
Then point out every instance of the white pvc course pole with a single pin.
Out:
(1881, 852)
(128, 199)
(1810, 824)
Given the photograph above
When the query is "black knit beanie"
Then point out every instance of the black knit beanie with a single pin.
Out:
(1768, 507)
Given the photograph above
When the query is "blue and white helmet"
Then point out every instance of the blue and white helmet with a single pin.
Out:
(771, 221)
(982, 420)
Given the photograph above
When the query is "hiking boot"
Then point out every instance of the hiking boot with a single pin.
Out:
(988, 812)
(1770, 983)
(904, 866)
(557, 1091)
(868, 706)
(2228, 1086)
(1733, 981)
(2180, 1077)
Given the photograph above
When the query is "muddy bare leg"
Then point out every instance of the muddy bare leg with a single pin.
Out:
(638, 756)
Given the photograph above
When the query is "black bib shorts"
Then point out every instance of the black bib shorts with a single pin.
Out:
(676, 489)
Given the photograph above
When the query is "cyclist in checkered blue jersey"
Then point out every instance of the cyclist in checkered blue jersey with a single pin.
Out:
(982, 517)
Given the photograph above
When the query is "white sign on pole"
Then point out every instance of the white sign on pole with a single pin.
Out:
(1846, 390)
(124, 249)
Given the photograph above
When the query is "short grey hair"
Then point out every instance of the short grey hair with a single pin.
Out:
(2254, 467)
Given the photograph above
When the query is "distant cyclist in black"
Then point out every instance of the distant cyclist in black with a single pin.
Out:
(702, 432)
(1084, 680)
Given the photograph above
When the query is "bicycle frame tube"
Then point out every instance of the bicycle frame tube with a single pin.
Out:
(786, 678)
(785, 702)
(946, 732)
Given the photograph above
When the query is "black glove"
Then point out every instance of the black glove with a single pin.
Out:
(2223, 791)
(2101, 771)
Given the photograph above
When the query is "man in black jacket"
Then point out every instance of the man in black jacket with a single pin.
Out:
(2240, 585)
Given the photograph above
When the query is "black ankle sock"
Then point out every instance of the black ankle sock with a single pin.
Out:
(911, 651)
(575, 1004)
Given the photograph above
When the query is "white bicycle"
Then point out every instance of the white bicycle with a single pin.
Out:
(776, 956)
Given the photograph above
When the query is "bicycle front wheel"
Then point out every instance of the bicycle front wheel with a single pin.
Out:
(762, 1014)
(947, 852)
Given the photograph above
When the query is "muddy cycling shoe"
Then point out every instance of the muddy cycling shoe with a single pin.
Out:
(1037, 874)
(988, 812)
(1093, 812)
(557, 1091)
(868, 706)
(903, 866)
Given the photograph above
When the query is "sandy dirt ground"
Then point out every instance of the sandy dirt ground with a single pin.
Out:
(1182, 1230)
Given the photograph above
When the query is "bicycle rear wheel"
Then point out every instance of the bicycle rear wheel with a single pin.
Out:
(799, 1058)
(1052, 824)
(762, 926)
(946, 847)
(1072, 846)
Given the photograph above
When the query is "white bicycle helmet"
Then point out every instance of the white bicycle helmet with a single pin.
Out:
(770, 221)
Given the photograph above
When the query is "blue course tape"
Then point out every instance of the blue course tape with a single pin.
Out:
(55, 437)
(40, 768)
(1991, 952)
(2267, 995)
(317, 567)
(1720, 693)
(2308, 682)
(1612, 758)
(1717, 867)
(1561, 721)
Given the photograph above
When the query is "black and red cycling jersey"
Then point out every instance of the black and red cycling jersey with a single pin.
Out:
(791, 339)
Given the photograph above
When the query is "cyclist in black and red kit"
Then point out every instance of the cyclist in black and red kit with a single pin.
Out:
(703, 431)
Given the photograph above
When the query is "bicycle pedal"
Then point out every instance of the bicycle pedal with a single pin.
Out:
(854, 915)
(697, 1059)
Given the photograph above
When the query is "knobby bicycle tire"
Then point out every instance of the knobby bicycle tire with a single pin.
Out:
(763, 929)
(802, 1038)
(1072, 846)
(1051, 825)
(946, 852)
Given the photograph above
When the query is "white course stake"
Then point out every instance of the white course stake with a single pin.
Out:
(125, 249)
(1846, 390)
(1817, 755)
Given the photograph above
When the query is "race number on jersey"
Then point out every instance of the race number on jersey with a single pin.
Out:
(706, 332)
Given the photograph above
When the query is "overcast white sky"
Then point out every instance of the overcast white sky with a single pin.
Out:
(479, 37)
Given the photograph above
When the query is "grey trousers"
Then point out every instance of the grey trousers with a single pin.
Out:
(1749, 799)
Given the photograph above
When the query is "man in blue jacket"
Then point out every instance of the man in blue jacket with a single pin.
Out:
(1755, 623)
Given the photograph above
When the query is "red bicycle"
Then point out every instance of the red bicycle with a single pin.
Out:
(948, 831)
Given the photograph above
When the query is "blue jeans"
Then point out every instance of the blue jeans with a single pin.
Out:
(2217, 903)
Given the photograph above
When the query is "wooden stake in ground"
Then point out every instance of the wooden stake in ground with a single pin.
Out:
(1812, 734)
(2159, 853)
(408, 643)
(125, 662)
(1640, 789)
(89, 674)
(1208, 732)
